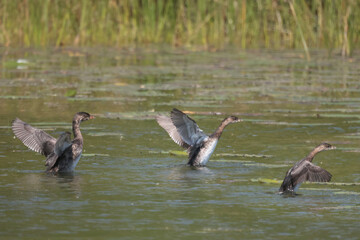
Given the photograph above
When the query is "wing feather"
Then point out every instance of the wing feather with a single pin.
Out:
(311, 173)
(301, 172)
(166, 123)
(33, 138)
(187, 128)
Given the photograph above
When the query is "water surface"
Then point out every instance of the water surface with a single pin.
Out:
(128, 185)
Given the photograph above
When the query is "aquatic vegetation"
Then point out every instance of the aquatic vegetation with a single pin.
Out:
(355, 150)
(146, 115)
(266, 180)
(347, 193)
(231, 160)
(71, 93)
(292, 123)
(242, 155)
(345, 207)
(207, 104)
(265, 165)
(18, 97)
(122, 177)
(340, 183)
(184, 153)
(208, 24)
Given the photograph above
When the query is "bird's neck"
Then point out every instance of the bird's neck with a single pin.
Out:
(312, 154)
(219, 130)
(76, 130)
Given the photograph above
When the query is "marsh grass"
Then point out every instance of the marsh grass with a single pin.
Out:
(208, 24)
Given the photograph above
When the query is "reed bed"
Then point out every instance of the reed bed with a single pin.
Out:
(272, 24)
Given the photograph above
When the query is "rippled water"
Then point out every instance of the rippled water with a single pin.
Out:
(132, 182)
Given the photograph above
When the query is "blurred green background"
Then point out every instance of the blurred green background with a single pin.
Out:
(200, 24)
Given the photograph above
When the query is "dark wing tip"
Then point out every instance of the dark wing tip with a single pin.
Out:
(15, 120)
(317, 174)
(176, 111)
(325, 176)
(177, 117)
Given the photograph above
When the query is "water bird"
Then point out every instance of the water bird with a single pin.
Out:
(305, 170)
(62, 154)
(186, 133)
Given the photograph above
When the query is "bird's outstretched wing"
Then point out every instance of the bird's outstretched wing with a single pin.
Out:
(35, 139)
(301, 172)
(187, 128)
(310, 173)
(166, 123)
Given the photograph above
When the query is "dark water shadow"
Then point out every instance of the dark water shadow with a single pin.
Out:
(69, 182)
(289, 194)
(186, 172)
(41, 182)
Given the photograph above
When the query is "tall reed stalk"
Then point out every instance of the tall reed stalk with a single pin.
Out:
(211, 24)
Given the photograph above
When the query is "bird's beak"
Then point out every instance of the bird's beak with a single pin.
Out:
(91, 117)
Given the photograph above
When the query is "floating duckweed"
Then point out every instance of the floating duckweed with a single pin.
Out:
(238, 161)
(267, 165)
(19, 97)
(171, 152)
(178, 153)
(149, 115)
(70, 93)
(336, 207)
(242, 155)
(294, 124)
(339, 183)
(347, 193)
(265, 180)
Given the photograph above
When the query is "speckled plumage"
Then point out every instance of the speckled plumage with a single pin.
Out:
(62, 155)
(305, 170)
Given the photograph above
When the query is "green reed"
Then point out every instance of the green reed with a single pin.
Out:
(275, 24)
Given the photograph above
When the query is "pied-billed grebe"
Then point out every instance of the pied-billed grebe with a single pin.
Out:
(62, 154)
(305, 170)
(185, 132)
